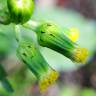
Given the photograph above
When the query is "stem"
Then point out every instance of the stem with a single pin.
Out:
(7, 85)
(17, 33)
(32, 25)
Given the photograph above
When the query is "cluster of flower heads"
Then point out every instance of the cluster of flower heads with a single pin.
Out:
(49, 35)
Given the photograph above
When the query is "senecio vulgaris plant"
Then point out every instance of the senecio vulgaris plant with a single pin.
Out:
(48, 34)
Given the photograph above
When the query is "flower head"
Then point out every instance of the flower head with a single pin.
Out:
(51, 36)
(31, 56)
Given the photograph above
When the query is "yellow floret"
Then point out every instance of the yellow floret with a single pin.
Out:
(47, 80)
(74, 34)
(80, 55)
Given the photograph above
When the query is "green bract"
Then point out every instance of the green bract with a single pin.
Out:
(20, 10)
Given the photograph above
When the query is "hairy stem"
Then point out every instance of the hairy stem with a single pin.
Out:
(32, 25)
(6, 84)
(17, 33)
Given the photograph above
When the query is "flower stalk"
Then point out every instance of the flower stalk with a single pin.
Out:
(31, 56)
(32, 25)
(17, 32)
(6, 84)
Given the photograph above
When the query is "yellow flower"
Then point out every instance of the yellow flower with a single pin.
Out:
(80, 55)
(74, 34)
(47, 80)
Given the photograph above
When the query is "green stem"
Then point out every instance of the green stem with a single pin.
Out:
(17, 33)
(5, 82)
(7, 85)
(32, 25)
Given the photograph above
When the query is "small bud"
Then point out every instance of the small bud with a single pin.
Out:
(20, 10)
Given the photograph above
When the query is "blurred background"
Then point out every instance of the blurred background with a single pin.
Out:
(75, 79)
